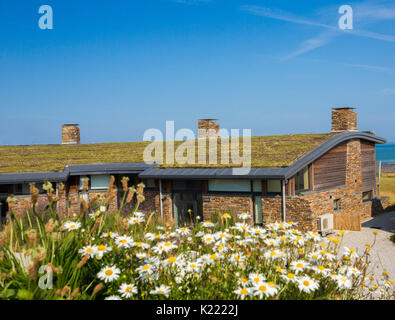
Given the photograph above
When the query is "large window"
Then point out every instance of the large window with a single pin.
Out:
(100, 181)
(302, 180)
(230, 185)
(273, 186)
(24, 188)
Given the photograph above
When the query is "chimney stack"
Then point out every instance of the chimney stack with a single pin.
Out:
(208, 128)
(344, 119)
(70, 134)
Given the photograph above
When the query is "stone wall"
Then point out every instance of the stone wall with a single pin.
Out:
(213, 203)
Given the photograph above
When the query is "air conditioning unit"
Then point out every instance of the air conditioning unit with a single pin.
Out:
(325, 224)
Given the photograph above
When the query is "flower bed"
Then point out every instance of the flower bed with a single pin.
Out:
(107, 255)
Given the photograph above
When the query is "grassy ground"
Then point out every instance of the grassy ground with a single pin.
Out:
(388, 186)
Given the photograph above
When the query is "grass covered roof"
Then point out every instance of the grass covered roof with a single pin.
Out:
(267, 151)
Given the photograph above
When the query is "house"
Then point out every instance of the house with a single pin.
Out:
(295, 177)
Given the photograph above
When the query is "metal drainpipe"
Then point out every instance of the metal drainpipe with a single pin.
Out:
(284, 207)
(160, 197)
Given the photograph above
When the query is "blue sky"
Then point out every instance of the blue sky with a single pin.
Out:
(120, 67)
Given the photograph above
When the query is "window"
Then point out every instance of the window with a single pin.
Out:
(230, 185)
(149, 183)
(24, 188)
(187, 185)
(81, 184)
(367, 195)
(302, 180)
(336, 205)
(274, 186)
(100, 181)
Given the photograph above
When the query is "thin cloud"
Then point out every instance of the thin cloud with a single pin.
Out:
(311, 44)
(370, 67)
(388, 91)
(332, 30)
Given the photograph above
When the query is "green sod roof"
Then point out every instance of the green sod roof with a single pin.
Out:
(267, 151)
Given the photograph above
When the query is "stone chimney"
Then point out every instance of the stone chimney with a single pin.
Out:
(344, 119)
(70, 134)
(208, 128)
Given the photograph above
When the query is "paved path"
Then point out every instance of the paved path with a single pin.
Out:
(383, 251)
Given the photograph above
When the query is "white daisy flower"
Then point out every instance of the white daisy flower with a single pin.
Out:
(273, 254)
(264, 289)
(299, 265)
(343, 282)
(154, 236)
(136, 220)
(208, 238)
(306, 284)
(183, 231)
(242, 227)
(90, 250)
(193, 267)
(145, 269)
(101, 249)
(141, 245)
(207, 224)
(244, 216)
(290, 277)
(256, 278)
(109, 273)
(109, 235)
(237, 258)
(127, 290)
(161, 290)
(71, 225)
(124, 241)
(243, 292)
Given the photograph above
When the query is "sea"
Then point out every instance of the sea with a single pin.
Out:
(385, 153)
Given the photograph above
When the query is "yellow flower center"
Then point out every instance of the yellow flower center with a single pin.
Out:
(108, 272)
(290, 275)
(299, 265)
(167, 244)
(263, 288)
(72, 226)
(124, 241)
(306, 283)
(273, 253)
(171, 259)
(146, 267)
(244, 291)
(89, 250)
(256, 280)
(213, 256)
(128, 289)
(193, 265)
(321, 267)
(101, 247)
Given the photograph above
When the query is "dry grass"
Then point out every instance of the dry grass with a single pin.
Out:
(267, 151)
(388, 186)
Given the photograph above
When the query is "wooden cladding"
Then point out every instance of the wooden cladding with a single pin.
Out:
(368, 166)
(330, 170)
